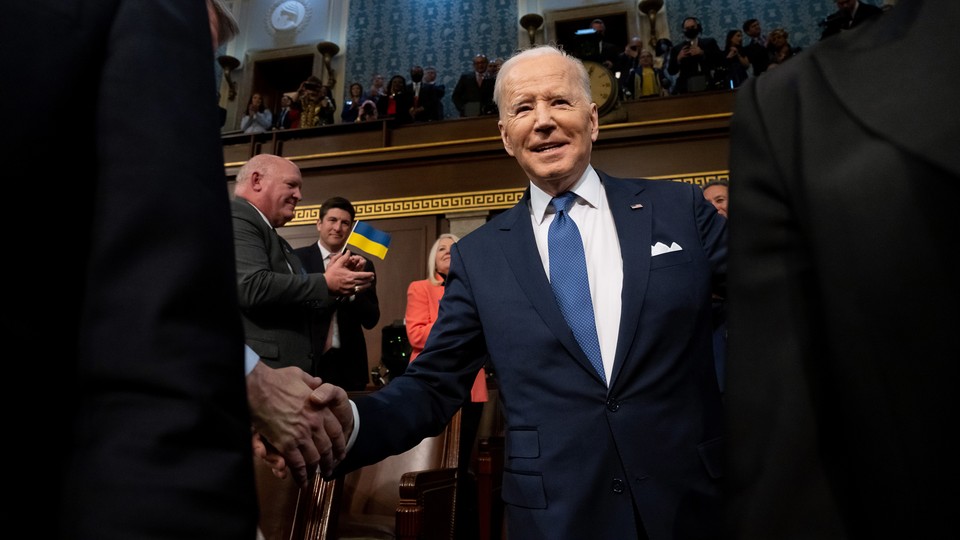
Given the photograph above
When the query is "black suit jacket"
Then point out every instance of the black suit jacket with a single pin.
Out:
(428, 99)
(841, 380)
(467, 90)
(354, 313)
(692, 66)
(133, 336)
(840, 21)
(403, 101)
(758, 55)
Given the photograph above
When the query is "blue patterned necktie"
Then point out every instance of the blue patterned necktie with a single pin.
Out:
(568, 278)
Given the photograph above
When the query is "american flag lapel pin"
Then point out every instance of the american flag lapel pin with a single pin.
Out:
(636, 206)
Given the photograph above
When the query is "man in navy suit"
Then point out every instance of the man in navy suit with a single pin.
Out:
(639, 456)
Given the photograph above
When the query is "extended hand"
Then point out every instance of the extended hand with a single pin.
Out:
(344, 277)
(302, 434)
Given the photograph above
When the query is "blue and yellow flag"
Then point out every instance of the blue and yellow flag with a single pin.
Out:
(369, 239)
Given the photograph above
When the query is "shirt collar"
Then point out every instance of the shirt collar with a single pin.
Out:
(323, 251)
(587, 188)
(265, 220)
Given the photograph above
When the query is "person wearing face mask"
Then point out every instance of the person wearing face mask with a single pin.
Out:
(693, 60)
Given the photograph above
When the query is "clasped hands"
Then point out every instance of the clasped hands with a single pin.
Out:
(299, 422)
(345, 275)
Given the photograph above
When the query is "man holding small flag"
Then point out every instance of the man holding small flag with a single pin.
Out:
(339, 328)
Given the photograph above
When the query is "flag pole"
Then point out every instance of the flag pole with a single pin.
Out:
(345, 244)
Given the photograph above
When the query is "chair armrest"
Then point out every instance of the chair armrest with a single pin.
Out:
(427, 504)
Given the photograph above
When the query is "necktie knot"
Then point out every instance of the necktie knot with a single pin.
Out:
(564, 201)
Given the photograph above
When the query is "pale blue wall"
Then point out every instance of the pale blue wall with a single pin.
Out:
(390, 37)
(799, 17)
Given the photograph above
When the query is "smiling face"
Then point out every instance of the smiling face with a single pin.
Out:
(717, 194)
(272, 184)
(443, 255)
(547, 121)
(334, 228)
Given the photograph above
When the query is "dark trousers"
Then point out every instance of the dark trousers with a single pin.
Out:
(468, 509)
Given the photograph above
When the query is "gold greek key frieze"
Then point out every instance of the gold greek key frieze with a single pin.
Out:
(462, 202)
(697, 179)
(420, 206)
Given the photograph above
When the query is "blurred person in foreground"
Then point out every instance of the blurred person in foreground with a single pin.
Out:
(842, 375)
(134, 375)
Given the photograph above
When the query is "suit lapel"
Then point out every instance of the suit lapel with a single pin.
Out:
(289, 256)
(633, 224)
(916, 108)
(520, 250)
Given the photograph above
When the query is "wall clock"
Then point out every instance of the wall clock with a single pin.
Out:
(603, 86)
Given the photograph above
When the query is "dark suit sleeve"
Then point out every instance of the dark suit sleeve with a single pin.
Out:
(431, 389)
(140, 354)
(366, 305)
(673, 66)
(770, 333)
(457, 95)
(259, 284)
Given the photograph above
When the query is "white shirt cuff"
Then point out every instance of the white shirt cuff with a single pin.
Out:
(250, 360)
(356, 425)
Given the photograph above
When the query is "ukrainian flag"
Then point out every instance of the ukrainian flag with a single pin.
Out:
(369, 239)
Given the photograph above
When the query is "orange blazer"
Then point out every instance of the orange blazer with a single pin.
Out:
(423, 304)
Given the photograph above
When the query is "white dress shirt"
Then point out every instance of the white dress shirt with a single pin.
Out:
(334, 327)
(601, 245)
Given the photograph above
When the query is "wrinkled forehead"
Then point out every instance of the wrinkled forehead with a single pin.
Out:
(544, 77)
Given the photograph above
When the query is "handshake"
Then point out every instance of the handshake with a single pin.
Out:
(299, 422)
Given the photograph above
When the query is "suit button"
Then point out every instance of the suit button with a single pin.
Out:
(613, 405)
(617, 485)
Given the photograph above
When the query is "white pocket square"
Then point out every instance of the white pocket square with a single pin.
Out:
(660, 248)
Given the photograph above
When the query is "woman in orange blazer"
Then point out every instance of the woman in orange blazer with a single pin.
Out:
(423, 304)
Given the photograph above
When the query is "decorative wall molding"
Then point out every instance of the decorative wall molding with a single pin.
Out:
(287, 16)
(447, 203)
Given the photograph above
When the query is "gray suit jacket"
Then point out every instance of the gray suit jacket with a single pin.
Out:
(275, 299)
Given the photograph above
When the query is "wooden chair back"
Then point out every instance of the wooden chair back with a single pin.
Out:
(408, 496)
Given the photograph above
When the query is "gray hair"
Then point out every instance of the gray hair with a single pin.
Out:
(583, 82)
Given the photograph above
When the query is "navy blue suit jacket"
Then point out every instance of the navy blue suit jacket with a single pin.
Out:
(581, 459)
